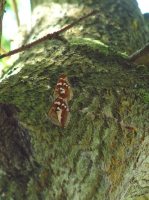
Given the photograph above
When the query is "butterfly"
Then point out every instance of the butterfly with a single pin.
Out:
(59, 112)
(63, 88)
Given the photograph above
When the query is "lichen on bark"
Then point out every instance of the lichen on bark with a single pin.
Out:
(102, 154)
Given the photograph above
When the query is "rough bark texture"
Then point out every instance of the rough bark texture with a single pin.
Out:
(119, 24)
(103, 153)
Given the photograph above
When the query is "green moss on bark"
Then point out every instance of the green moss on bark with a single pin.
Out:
(92, 156)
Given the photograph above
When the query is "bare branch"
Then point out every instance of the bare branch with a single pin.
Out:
(15, 7)
(48, 36)
(141, 56)
(2, 6)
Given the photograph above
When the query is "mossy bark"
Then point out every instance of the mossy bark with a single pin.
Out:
(119, 23)
(103, 153)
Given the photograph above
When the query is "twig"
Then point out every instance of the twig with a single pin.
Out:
(2, 6)
(141, 56)
(16, 11)
(48, 36)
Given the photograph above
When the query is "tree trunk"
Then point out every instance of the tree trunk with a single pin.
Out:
(103, 153)
(119, 24)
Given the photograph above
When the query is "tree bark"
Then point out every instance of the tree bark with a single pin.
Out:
(119, 24)
(103, 153)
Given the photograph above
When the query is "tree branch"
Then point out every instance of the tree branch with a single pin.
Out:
(48, 36)
(141, 56)
(2, 5)
(15, 7)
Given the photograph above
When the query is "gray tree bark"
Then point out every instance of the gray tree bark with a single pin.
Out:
(103, 153)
